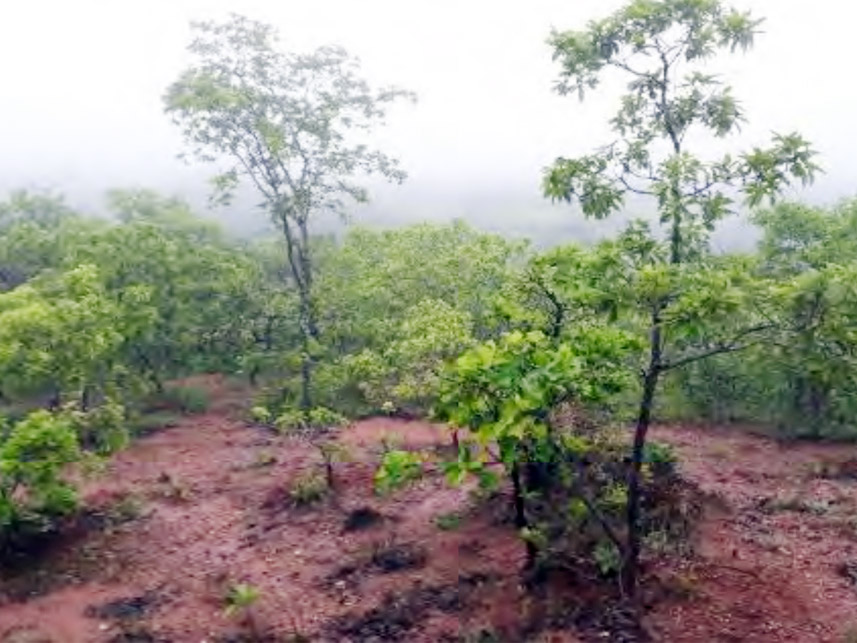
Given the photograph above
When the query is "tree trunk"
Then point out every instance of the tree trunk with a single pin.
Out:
(306, 364)
(300, 262)
(630, 568)
(521, 512)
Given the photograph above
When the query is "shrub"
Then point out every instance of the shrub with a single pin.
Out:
(103, 429)
(308, 489)
(260, 415)
(398, 468)
(32, 457)
(320, 418)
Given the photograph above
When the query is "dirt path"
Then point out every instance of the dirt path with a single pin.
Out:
(192, 510)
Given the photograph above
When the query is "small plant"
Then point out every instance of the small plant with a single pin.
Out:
(660, 457)
(103, 429)
(126, 508)
(607, 557)
(308, 489)
(260, 415)
(290, 421)
(448, 521)
(240, 600)
(397, 469)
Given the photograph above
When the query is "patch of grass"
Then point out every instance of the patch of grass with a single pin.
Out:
(448, 521)
(127, 508)
(308, 489)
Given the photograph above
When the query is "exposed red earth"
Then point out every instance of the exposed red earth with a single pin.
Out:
(196, 508)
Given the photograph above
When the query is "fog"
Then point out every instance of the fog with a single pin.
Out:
(81, 111)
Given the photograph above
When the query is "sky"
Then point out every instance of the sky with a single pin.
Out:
(82, 81)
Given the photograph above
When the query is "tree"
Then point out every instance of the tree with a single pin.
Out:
(661, 47)
(288, 123)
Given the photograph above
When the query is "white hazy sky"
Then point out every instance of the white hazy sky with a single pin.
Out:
(81, 86)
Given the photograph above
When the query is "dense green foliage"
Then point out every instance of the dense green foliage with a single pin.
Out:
(801, 382)
(33, 453)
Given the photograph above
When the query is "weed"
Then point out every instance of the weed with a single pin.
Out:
(127, 508)
(308, 489)
(260, 415)
(240, 598)
(239, 601)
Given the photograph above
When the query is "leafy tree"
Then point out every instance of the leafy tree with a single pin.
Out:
(661, 47)
(57, 336)
(205, 293)
(290, 125)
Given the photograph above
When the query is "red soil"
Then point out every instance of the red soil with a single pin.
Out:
(215, 511)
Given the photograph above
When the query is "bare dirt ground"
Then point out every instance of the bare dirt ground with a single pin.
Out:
(188, 512)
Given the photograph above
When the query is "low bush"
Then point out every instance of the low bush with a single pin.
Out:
(103, 429)
(308, 489)
(33, 492)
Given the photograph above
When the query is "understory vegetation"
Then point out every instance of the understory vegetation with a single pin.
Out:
(537, 359)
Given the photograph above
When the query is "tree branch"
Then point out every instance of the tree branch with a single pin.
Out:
(723, 347)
